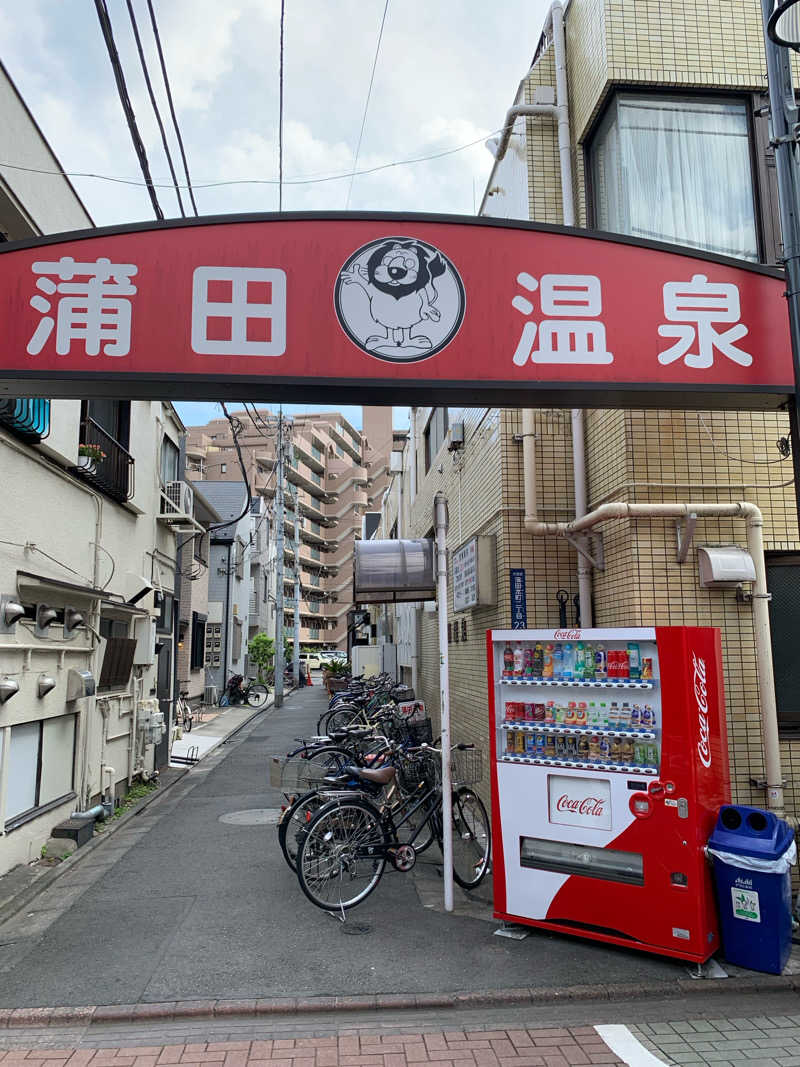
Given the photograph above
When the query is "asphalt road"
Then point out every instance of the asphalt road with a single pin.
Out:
(179, 904)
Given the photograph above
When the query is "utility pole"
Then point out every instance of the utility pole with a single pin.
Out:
(296, 649)
(279, 664)
(785, 135)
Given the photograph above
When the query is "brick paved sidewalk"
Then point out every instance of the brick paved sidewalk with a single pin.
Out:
(452, 1048)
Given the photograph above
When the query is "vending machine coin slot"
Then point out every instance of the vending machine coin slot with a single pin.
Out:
(683, 808)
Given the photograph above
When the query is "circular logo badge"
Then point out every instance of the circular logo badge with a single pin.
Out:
(399, 299)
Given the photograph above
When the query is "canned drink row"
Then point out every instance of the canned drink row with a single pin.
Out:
(602, 715)
(584, 749)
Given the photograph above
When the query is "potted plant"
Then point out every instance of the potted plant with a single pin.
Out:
(89, 455)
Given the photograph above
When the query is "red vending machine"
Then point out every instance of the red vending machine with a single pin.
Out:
(609, 764)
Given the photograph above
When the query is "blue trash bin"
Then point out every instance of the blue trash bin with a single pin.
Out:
(752, 852)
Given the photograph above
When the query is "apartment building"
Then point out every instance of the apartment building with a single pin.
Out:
(336, 477)
(668, 141)
(88, 575)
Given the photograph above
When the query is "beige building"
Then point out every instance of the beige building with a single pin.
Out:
(337, 478)
(667, 141)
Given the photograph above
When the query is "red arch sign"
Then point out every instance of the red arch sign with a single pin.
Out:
(406, 308)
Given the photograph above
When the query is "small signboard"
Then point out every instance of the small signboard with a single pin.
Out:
(519, 603)
(472, 567)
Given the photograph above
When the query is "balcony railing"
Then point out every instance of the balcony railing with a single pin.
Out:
(114, 473)
(28, 419)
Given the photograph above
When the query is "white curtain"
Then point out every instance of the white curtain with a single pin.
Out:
(677, 169)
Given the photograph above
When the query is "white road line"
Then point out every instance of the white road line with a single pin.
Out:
(623, 1044)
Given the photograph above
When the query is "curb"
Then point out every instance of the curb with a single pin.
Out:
(52, 874)
(175, 1011)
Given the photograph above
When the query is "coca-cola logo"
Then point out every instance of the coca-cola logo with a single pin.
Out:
(701, 699)
(567, 635)
(581, 805)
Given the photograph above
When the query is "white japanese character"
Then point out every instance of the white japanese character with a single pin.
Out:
(562, 340)
(92, 310)
(239, 311)
(700, 303)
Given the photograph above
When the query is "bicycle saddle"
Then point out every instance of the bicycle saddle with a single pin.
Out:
(379, 776)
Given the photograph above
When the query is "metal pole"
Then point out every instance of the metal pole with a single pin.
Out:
(296, 649)
(440, 514)
(783, 117)
(279, 662)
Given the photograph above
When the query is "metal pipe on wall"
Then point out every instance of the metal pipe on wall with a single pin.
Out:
(440, 516)
(754, 523)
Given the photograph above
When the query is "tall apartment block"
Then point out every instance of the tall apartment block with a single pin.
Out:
(334, 484)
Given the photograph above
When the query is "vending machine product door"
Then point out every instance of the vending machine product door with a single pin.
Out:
(609, 757)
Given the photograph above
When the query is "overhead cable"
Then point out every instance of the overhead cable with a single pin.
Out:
(257, 181)
(163, 63)
(125, 100)
(366, 104)
(280, 112)
(154, 105)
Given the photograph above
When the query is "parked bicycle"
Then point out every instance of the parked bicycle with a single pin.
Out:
(239, 691)
(184, 715)
(343, 852)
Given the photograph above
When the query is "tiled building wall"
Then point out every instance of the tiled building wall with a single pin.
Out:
(542, 149)
(473, 487)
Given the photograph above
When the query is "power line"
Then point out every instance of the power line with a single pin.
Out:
(366, 105)
(255, 181)
(280, 113)
(154, 105)
(125, 100)
(162, 61)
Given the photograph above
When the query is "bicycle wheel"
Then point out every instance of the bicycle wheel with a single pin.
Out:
(294, 823)
(342, 717)
(472, 839)
(257, 695)
(342, 855)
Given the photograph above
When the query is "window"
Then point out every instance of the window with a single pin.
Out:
(435, 433)
(113, 416)
(170, 461)
(117, 663)
(198, 641)
(783, 582)
(41, 767)
(165, 602)
(674, 168)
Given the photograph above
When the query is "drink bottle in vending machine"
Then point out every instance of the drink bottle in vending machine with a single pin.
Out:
(608, 768)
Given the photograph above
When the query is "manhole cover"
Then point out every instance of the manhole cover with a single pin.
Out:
(253, 817)
(354, 929)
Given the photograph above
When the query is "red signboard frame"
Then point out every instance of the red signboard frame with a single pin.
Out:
(389, 308)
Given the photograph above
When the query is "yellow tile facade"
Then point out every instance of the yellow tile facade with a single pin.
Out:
(632, 455)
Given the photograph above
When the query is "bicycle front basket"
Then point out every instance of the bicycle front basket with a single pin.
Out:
(466, 766)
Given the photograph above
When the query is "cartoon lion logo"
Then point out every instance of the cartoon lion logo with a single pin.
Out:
(399, 299)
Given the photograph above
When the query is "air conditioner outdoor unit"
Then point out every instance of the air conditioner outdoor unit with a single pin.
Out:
(178, 499)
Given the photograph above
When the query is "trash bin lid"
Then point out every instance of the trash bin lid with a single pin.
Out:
(750, 832)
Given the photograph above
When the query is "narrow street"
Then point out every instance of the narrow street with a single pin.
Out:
(192, 899)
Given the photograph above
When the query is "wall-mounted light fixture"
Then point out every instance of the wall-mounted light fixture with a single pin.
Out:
(72, 620)
(8, 687)
(45, 616)
(46, 684)
(12, 612)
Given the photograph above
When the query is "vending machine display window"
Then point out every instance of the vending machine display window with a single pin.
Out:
(580, 704)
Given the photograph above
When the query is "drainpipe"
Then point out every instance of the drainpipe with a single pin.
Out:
(755, 545)
(559, 112)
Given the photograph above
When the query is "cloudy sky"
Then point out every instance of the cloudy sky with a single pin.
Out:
(446, 73)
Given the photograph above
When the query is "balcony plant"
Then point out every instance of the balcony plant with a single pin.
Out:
(89, 455)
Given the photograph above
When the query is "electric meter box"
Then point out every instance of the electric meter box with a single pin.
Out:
(144, 630)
